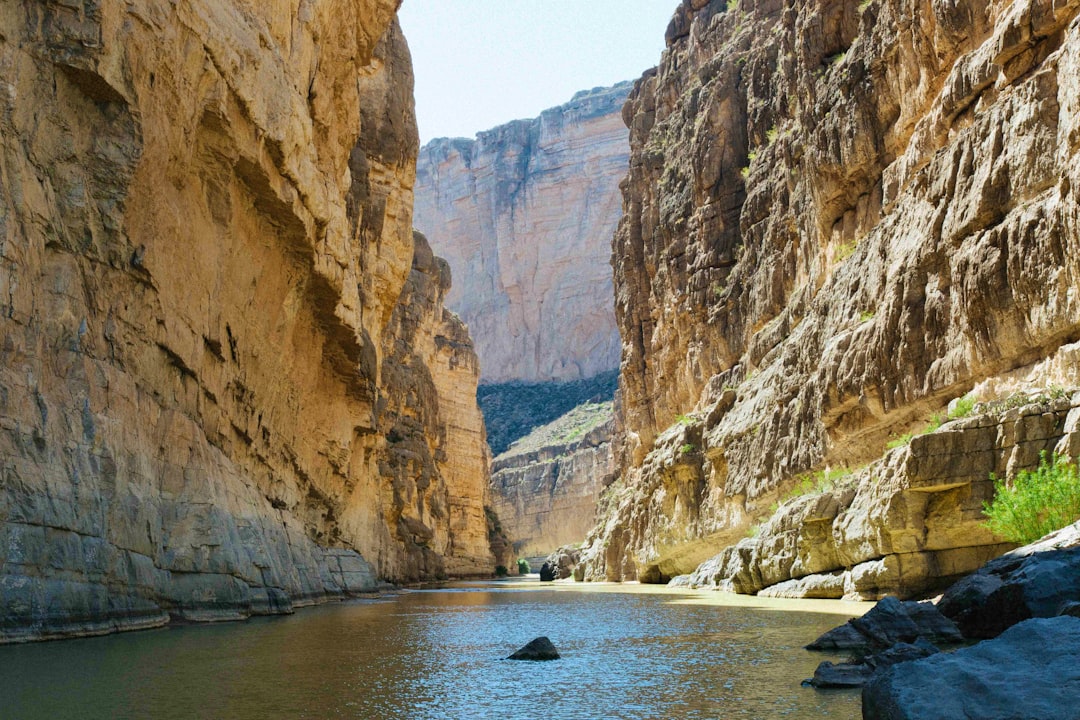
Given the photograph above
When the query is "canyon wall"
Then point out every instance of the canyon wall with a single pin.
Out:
(524, 214)
(227, 383)
(545, 488)
(839, 216)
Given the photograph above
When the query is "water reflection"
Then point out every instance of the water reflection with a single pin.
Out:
(437, 654)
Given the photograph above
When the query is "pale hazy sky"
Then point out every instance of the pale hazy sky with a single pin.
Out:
(481, 63)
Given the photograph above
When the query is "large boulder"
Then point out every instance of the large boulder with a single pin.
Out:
(888, 623)
(1038, 580)
(1030, 672)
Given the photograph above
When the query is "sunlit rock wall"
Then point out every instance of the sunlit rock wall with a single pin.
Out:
(205, 230)
(524, 214)
(839, 215)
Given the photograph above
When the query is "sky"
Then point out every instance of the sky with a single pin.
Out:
(482, 63)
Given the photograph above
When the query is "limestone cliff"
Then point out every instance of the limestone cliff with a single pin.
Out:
(545, 488)
(226, 383)
(524, 214)
(839, 216)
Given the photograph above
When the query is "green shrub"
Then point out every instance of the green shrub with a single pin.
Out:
(1036, 502)
(687, 448)
(523, 566)
(501, 571)
(962, 408)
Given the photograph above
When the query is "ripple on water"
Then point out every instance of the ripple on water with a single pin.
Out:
(439, 654)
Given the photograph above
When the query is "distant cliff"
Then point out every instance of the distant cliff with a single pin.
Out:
(545, 488)
(227, 382)
(524, 214)
(839, 217)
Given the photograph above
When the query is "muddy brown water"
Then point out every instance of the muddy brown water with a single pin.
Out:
(628, 652)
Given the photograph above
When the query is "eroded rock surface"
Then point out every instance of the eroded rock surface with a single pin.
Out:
(524, 214)
(839, 216)
(205, 375)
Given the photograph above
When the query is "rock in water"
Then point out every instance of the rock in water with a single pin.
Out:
(890, 622)
(547, 572)
(1031, 671)
(539, 649)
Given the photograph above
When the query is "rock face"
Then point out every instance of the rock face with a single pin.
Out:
(838, 217)
(1028, 672)
(524, 214)
(545, 488)
(227, 385)
(906, 525)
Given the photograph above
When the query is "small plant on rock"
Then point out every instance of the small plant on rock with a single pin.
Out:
(1036, 502)
(962, 408)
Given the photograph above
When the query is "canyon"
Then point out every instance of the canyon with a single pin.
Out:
(524, 214)
(228, 382)
(840, 218)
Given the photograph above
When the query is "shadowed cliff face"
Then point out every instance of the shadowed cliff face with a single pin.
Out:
(838, 217)
(205, 232)
(525, 214)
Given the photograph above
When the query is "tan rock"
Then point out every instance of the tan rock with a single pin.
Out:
(837, 219)
(524, 214)
(205, 229)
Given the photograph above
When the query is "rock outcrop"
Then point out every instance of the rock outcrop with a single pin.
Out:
(906, 525)
(524, 214)
(1038, 580)
(839, 216)
(227, 386)
(545, 488)
(1028, 672)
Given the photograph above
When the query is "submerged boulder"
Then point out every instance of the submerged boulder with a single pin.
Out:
(1032, 671)
(539, 649)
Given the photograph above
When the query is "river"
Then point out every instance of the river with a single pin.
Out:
(628, 652)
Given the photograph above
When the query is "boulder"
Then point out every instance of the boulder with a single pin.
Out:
(856, 674)
(547, 572)
(539, 649)
(888, 623)
(1039, 580)
(1032, 671)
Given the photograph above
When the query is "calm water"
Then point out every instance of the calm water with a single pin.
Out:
(435, 654)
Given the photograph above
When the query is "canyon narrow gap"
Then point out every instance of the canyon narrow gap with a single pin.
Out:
(782, 323)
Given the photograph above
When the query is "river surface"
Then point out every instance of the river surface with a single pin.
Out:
(434, 654)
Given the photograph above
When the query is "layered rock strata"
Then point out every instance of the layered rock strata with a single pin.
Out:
(545, 488)
(524, 214)
(838, 217)
(210, 402)
(906, 525)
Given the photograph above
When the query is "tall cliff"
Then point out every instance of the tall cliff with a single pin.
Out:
(227, 384)
(839, 216)
(524, 214)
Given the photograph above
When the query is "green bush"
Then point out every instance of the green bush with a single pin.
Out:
(1036, 502)
(523, 566)
(962, 408)
(501, 571)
